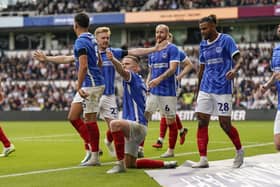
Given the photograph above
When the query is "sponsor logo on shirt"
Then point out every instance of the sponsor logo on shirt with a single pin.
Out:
(160, 65)
(215, 61)
(107, 63)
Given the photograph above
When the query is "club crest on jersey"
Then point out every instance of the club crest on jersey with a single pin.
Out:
(164, 55)
(219, 49)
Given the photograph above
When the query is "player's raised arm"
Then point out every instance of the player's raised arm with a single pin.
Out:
(118, 66)
(60, 59)
(146, 51)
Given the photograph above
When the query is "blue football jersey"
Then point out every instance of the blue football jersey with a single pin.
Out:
(134, 99)
(108, 69)
(218, 59)
(275, 67)
(183, 57)
(159, 62)
(94, 75)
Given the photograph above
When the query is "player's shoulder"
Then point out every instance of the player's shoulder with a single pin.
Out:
(80, 41)
(182, 52)
(226, 37)
(172, 47)
(277, 48)
(115, 50)
(203, 43)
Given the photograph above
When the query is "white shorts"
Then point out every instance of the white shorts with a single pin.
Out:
(108, 107)
(214, 104)
(90, 104)
(277, 123)
(165, 104)
(137, 134)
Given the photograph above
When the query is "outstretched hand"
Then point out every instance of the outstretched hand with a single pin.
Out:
(230, 74)
(263, 88)
(153, 83)
(109, 54)
(82, 93)
(161, 44)
(40, 56)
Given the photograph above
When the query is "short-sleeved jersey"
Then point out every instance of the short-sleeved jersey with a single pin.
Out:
(159, 62)
(108, 69)
(87, 42)
(183, 57)
(275, 67)
(134, 99)
(218, 59)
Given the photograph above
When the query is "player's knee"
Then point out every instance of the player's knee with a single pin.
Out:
(90, 117)
(202, 122)
(71, 118)
(130, 166)
(277, 147)
(225, 127)
(170, 120)
(130, 161)
(114, 125)
(148, 115)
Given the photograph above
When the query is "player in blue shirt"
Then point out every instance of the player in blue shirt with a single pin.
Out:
(90, 84)
(131, 130)
(162, 85)
(275, 80)
(108, 106)
(219, 62)
(186, 65)
(89, 88)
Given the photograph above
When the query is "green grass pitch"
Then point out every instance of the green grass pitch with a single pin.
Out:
(42, 147)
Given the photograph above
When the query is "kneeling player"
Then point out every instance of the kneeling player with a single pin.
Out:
(129, 132)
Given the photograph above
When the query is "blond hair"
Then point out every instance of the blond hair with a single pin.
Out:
(134, 58)
(164, 26)
(170, 36)
(99, 30)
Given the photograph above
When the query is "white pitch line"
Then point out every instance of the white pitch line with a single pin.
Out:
(212, 142)
(48, 171)
(31, 138)
(51, 140)
(47, 136)
(222, 149)
(109, 163)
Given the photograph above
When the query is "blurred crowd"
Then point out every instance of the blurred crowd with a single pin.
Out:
(24, 67)
(52, 87)
(37, 96)
(47, 7)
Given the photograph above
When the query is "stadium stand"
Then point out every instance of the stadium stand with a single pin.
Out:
(17, 65)
(50, 7)
(23, 67)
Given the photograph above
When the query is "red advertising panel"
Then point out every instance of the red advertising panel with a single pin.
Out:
(258, 11)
